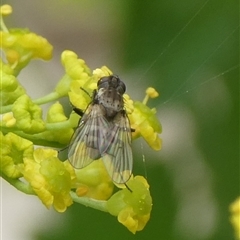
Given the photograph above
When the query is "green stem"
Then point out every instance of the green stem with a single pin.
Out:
(59, 125)
(26, 188)
(48, 98)
(2, 25)
(90, 202)
(49, 126)
(45, 99)
(36, 139)
(145, 100)
(18, 184)
(5, 109)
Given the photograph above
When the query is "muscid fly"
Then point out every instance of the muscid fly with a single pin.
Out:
(104, 131)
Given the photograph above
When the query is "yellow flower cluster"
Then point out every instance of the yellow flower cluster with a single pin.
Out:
(143, 119)
(10, 88)
(21, 45)
(50, 178)
(133, 207)
(12, 151)
(23, 126)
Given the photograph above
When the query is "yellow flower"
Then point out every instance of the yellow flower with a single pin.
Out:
(81, 91)
(8, 120)
(22, 41)
(56, 114)
(5, 10)
(128, 104)
(28, 115)
(133, 207)
(93, 181)
(102, 72)
(50, 178)
(132, 221)
(21, 46)
(12, 151)
(85, 83)
(75, 67)
(10, 88)
(79, 79)
(235, 216)
(145, 123)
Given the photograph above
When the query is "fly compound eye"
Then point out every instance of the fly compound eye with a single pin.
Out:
(103, 82)
(115, 80)
(121, 87)
(112, 81)
(118, 84)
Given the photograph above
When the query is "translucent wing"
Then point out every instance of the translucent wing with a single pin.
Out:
(116, 150)
(84, 145)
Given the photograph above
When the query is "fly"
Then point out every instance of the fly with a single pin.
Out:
(104, 131)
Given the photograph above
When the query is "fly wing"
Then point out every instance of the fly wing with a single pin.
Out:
(116, 151)
(85, 142)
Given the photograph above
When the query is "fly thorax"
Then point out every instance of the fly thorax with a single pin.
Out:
(111, 100)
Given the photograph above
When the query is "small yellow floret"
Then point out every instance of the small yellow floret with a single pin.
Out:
(102, 72)
(68, 53)
(9, 120)
(5, 10)
(152, 93)
(82, 190)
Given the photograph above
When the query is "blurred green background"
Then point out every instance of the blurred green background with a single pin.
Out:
(189, 51)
